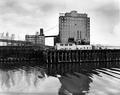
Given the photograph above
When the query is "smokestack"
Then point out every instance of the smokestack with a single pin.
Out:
(41, 32)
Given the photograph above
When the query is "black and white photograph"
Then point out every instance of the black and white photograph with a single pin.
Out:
(59, 47)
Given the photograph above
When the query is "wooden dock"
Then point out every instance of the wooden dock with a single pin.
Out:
(29, 55)
(62, 61)
(77, 56)
(58, 61)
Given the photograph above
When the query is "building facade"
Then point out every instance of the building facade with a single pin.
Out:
(37, 39)
(74, 27)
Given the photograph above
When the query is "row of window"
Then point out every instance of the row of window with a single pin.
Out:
(73, 18)
(34, 38)
(73, 48)
(74, 24)
(82, 21)
(66, 44)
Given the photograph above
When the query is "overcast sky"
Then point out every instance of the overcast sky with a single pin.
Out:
(27, 16)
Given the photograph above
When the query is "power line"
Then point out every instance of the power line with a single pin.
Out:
(51, 28)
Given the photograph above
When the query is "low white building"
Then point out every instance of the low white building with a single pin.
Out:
(72, 46)
(66, 46)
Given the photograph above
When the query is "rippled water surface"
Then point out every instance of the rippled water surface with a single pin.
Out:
(88, 79)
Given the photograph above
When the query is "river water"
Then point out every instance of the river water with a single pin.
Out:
(85, 80)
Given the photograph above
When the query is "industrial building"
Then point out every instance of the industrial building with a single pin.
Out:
(74, 27)
(37, 39)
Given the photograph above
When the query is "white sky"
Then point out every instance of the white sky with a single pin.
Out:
(28, 16)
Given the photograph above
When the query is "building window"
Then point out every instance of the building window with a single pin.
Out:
(77, 34)
(70, 44)
(61, 44)
(66, 44)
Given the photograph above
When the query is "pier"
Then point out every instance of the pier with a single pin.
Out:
(56, 60)
(77, 56)
(62, 61)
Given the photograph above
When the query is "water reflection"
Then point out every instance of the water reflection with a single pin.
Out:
(74, 84)
(97, 78)
(20, 78)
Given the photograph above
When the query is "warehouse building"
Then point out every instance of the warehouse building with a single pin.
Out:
(74, 27)
(37, 39)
